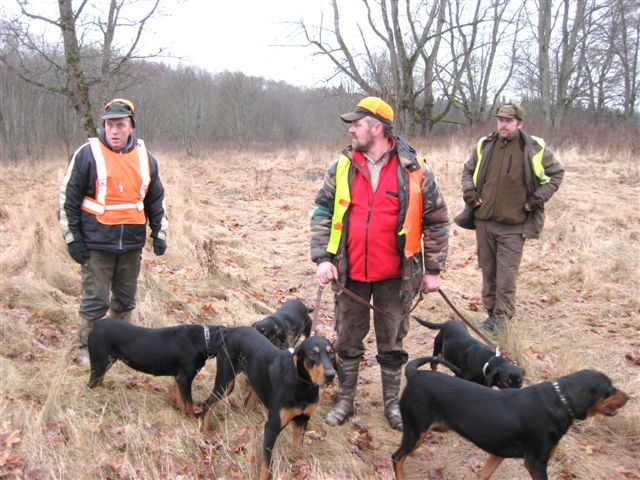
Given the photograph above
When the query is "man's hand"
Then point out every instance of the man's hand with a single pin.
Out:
(78, 251)
(159, 246)
(533, 203)
(430, 283)
(472, 198)
(326, 272)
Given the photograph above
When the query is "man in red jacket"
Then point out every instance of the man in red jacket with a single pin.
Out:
(377, 205)
(110, 191)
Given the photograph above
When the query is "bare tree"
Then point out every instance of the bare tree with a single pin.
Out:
(70, 69)
(626, 45)
(544, 63)
(390, 72)
(491, 33)
(569, 78)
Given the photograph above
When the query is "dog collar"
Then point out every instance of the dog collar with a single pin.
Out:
(486, 364)
(563, 399)
(207, 338)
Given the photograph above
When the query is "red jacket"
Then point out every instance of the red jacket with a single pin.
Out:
(373, 220)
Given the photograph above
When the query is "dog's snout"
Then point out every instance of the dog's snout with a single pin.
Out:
(329, 376)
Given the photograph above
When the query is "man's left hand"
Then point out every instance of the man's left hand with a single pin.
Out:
(159, 246)
(533, 203)
(430, 283)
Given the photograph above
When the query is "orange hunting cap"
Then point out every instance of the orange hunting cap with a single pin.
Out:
(370, 107)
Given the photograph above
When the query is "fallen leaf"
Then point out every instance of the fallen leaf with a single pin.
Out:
(633, 357)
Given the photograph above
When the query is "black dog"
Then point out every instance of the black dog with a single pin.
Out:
(287, 324)
(180, 351)
(526, 423)
(477, 361)
(286, 383)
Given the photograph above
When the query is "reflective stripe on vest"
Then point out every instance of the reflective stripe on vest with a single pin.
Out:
(98, 205)
(412, 226)
(340, 203)
(536, 162)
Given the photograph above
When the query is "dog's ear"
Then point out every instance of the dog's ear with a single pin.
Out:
(337, 366)
(297, 353)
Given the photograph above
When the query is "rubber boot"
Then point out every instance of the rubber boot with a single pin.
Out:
(82, 355)
(391, 377)
(344, 405)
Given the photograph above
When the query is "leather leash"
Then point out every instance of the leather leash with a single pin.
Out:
(316, 310)
(355, 297)
(349, 293)
(472, 327)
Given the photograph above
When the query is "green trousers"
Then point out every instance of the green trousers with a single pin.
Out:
(109, 284)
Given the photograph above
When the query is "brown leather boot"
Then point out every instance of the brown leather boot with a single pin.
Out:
(391, 377)
(344, 405)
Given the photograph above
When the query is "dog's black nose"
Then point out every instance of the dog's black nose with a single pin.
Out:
(329, 376)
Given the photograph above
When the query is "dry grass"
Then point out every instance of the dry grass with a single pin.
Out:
(238, 246)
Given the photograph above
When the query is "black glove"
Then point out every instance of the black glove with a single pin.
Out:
(535, 203)
(78, 251)
(470, 197)
(159, 246)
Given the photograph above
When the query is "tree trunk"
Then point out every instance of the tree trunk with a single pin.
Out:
(76, 82)
(544, 40)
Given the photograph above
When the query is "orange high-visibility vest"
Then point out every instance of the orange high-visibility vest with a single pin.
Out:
(121, 185)
(412, 226)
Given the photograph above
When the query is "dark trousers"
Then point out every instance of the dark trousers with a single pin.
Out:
(353, 321)
(499, 253)
(109, 282)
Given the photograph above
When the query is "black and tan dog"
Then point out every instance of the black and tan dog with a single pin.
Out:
(477, 361)
(286, 383)
(285, 326)
(512, 423)
(180, 351)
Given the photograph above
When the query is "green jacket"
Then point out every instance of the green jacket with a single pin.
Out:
(543, 184)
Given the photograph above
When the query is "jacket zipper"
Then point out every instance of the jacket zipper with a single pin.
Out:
(509, 166)
(366, 239)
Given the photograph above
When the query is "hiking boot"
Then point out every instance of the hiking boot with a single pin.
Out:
(391, 377)
(344, 406)
(82, 357)
(493, 324)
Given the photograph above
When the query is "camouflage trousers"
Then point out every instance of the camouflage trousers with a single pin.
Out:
(500, 249)
(353, 321)
(109, 285)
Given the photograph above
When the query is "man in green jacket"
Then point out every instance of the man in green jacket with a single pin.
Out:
(508, 178)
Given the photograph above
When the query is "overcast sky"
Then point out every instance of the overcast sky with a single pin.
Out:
(257, 37)
(252, 36)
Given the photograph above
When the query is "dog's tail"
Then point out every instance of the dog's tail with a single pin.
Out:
(432, 326)
(412, 367)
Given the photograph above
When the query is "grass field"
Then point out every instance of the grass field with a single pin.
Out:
(238, 246)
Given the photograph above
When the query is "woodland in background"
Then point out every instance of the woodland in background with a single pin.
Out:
(190, 112)
(443, 65)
